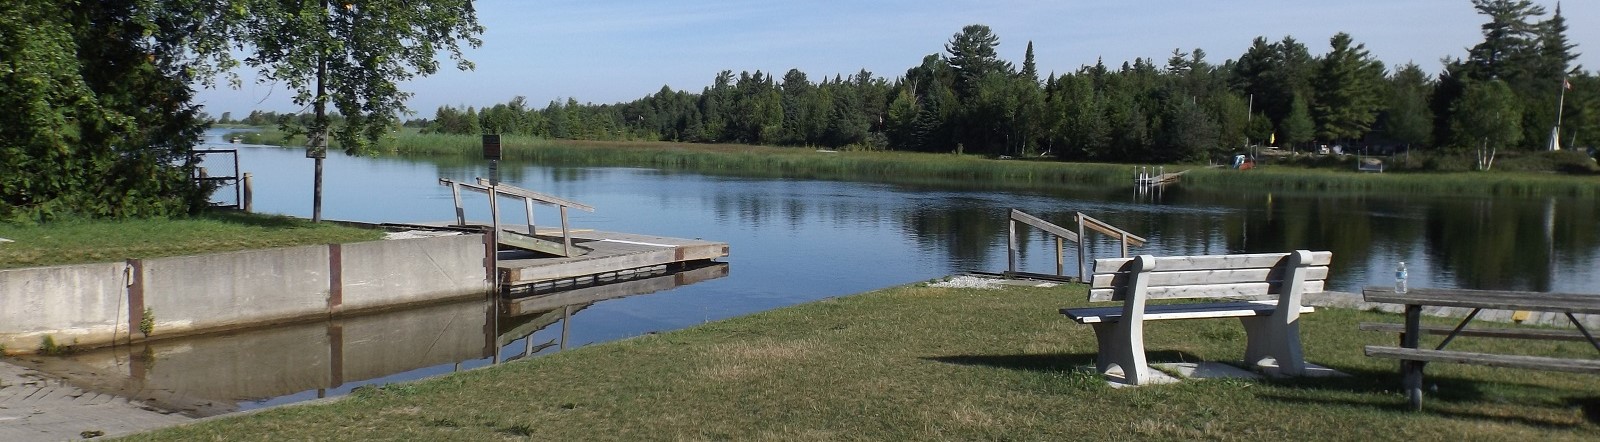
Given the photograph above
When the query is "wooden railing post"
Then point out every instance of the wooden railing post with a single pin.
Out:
(1124, 240)
(1011, 247)
(455, 194)
(1060, 266)
(566, 234)
(247, 200)
(527, 203)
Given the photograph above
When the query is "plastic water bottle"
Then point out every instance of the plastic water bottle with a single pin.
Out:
(1400, 278)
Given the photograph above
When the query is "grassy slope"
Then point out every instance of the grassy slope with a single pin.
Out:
(943, 364)
(72, 242)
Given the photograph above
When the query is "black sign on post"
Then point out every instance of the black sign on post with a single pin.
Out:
(317, 145)
(491, 147)
(491, 152)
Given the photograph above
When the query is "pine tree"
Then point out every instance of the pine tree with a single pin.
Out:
(973, 56)
(1297, 127)
(1347, 96)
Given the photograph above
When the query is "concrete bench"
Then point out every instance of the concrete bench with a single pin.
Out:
(1272, 285)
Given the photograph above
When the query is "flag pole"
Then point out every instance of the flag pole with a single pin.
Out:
(1561, 104)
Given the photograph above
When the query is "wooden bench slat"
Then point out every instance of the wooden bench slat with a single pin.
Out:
(1189, 277)
(1239, 290)
(1493, 360)
(1204, 262)
(1511, 333)
(1096, 315)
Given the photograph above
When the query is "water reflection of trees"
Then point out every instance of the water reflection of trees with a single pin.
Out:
(1510, 243)
(1481, 243)
(1488, 243)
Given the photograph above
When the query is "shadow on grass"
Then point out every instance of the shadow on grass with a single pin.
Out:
(254, 219)
(1382, 390)
(1398, 403)
(1052, 362)
(1591, 407)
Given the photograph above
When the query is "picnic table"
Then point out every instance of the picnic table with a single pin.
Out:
(1413, 358)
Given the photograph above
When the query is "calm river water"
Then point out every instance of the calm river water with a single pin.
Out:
(794, 241)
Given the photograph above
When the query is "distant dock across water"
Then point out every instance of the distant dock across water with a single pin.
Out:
(1146, 178)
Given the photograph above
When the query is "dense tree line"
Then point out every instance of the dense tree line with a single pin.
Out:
(968, 99)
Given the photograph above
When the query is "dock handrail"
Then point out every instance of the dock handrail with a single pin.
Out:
(528, 197)
(536, 196)
(1061, 235)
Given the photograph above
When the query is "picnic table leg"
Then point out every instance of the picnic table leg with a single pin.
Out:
(1412, 370)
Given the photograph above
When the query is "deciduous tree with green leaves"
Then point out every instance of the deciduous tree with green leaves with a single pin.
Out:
(353, 54)
(1407, 119)
(98, 120)
(1487, 117)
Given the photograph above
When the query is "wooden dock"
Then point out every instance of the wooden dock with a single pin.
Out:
(595, 254)
(1148, 178)
(604, 252)
(534, 255)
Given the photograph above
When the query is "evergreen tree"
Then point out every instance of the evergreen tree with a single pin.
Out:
(1028, 113)
(1297, 127)
(973, 56)
(1029, 69)
(1347, 91)
(1508, 40)
(1274, 74)
(1547, 76)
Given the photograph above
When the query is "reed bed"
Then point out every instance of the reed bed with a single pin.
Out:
(936, 169)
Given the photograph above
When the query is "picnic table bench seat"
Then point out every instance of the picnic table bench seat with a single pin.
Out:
(1270, 284)
(1413, 357)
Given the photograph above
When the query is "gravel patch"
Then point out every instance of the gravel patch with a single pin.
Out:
(967, 282)
(414, 234)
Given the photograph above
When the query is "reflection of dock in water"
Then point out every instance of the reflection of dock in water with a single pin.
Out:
(217, 374)
(555, 301)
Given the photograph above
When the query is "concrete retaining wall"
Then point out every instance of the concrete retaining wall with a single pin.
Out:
(94, 304)
(386, 273)
(188, 294)
(79, 304)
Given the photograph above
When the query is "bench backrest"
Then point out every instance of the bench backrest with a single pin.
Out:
(1211, 276)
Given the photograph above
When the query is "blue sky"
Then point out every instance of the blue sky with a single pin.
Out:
(607, 51)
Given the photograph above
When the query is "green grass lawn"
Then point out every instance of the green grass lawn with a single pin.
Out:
(921, 363)
(85, 241)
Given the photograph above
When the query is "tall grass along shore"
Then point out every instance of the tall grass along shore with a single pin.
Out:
(924, 363)
(1532, 178)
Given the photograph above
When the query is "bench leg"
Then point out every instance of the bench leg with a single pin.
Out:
(1269, 338)
(1119, 348)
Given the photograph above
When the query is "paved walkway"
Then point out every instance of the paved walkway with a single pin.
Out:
(36, 407)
